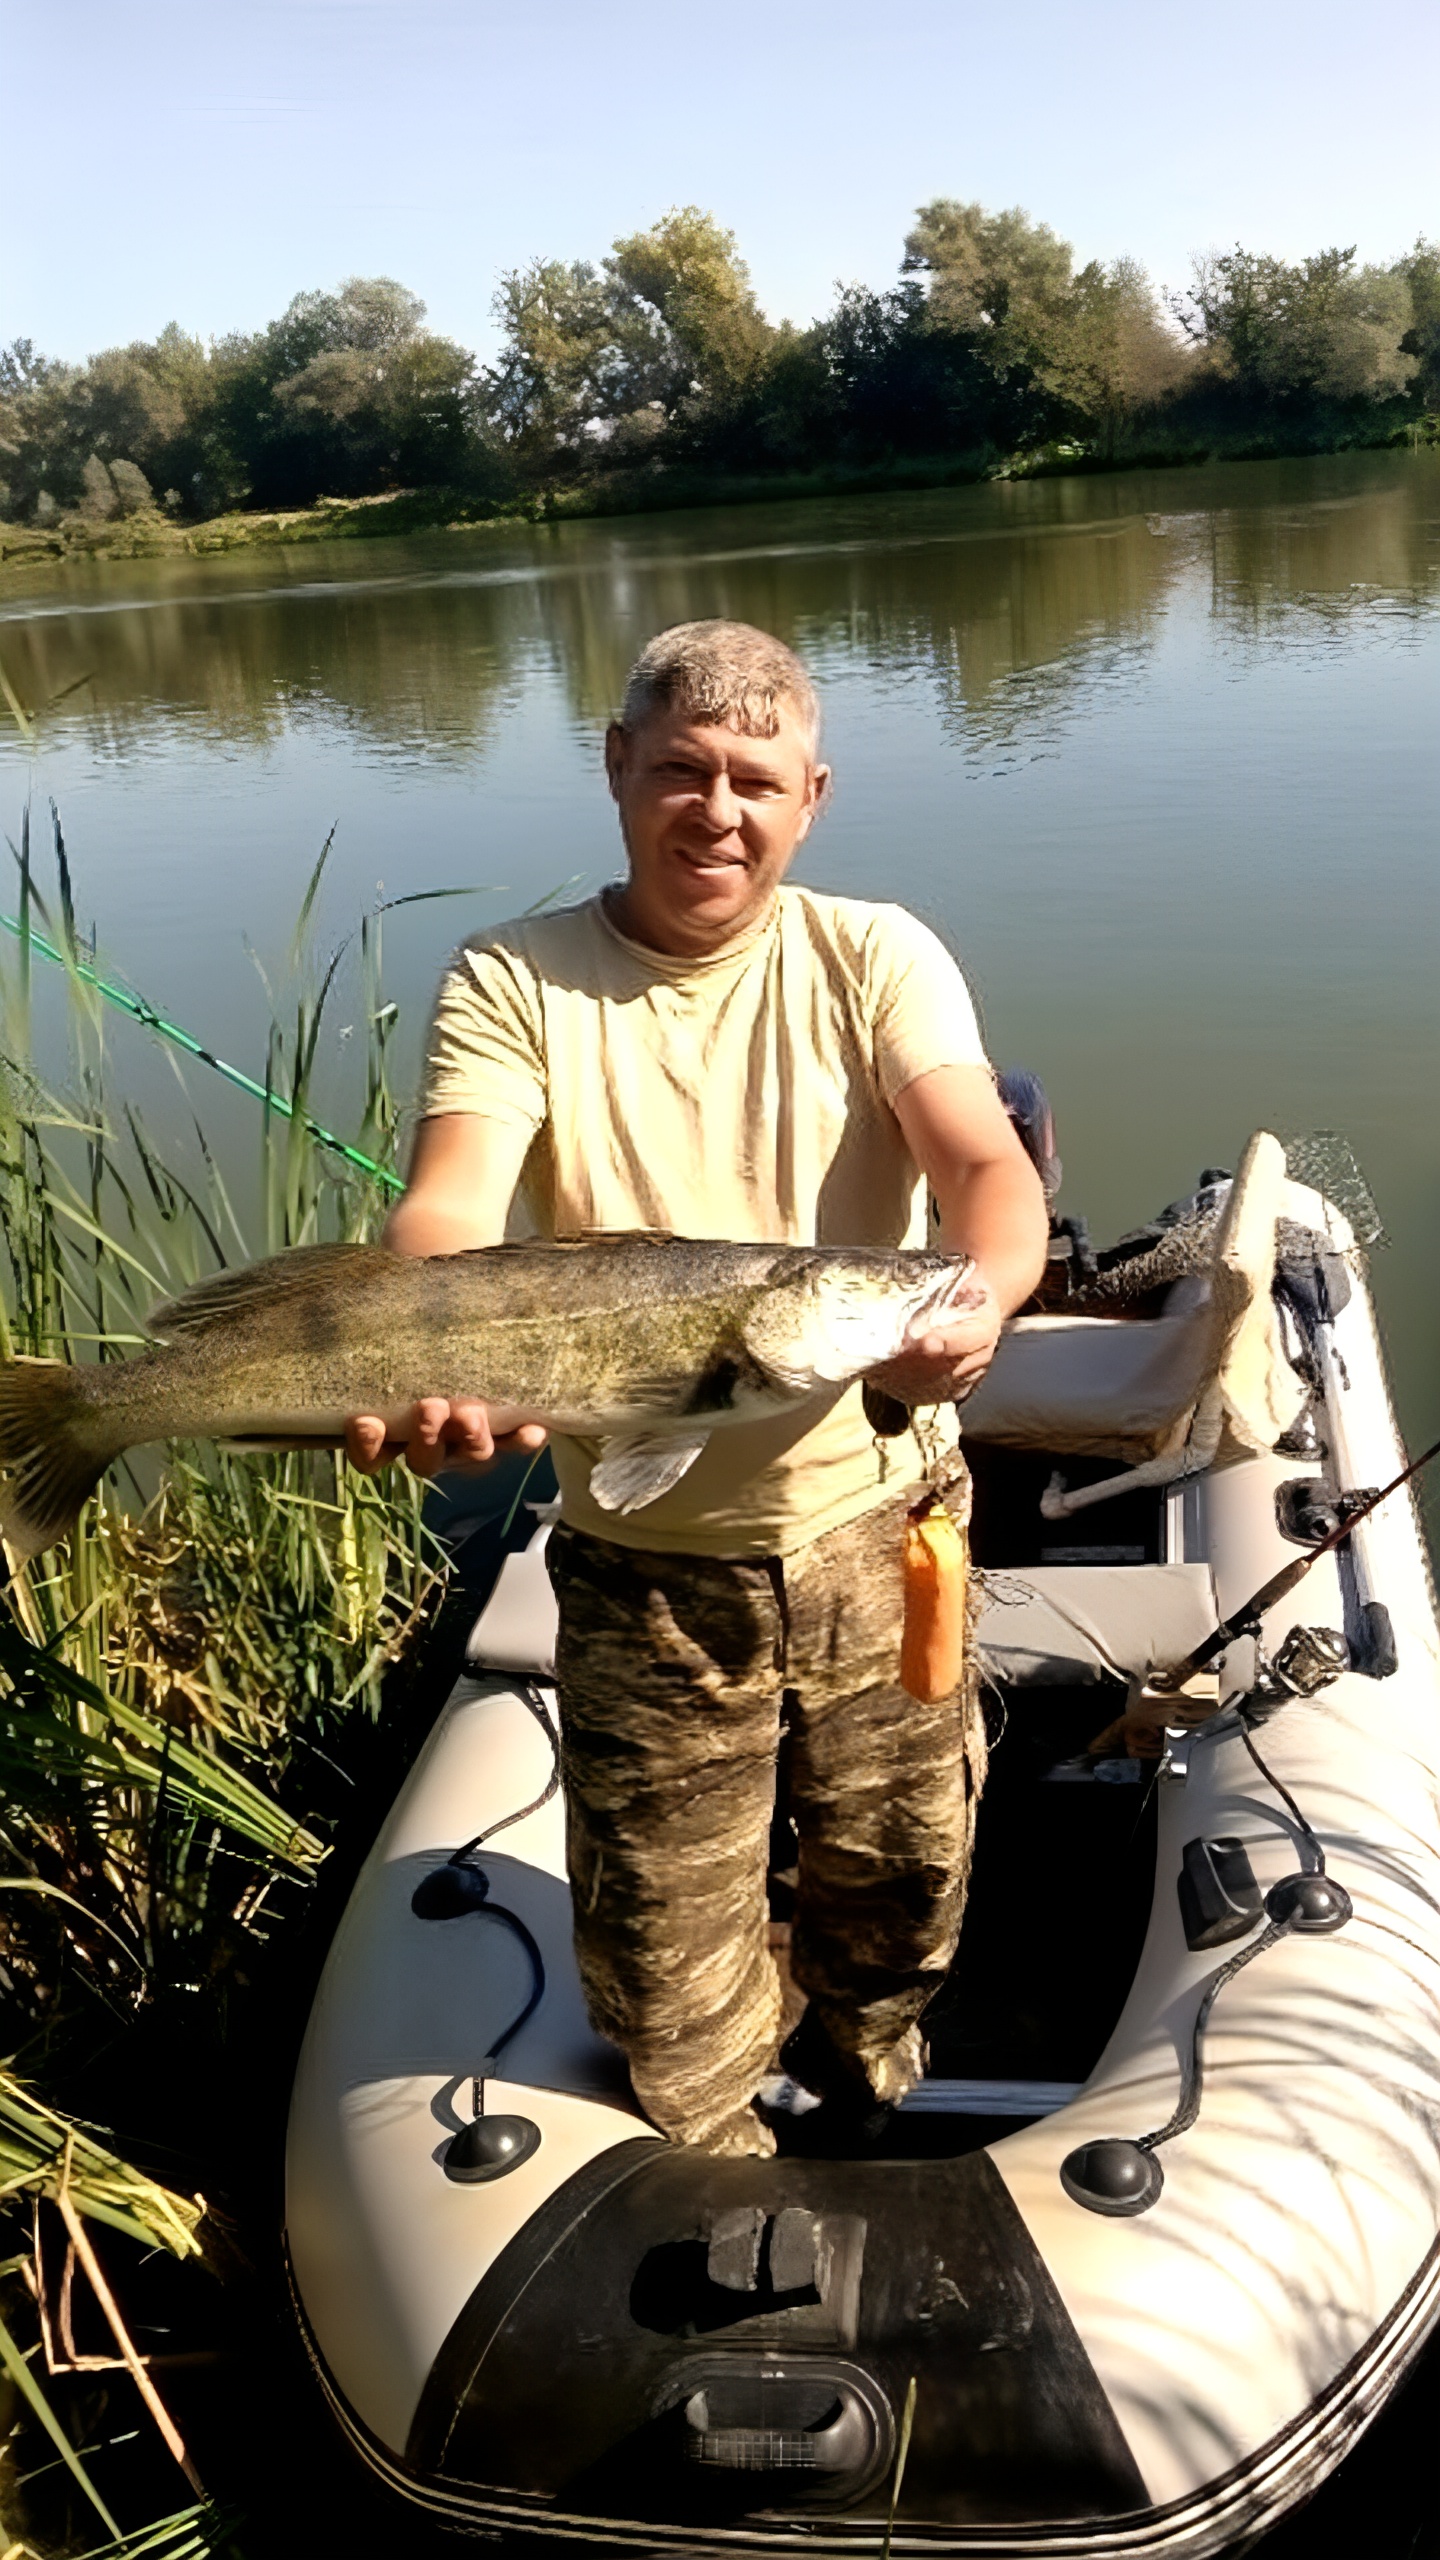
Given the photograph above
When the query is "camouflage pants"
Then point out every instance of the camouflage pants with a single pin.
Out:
(675, 1673)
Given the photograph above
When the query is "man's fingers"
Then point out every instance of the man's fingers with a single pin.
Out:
(425, 1448)
(365, 1442)
(468, 1434)
(441, 1434)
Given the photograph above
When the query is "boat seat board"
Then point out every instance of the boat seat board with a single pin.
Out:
(1070, 1626)
(516, 1629)
(1057, 1626)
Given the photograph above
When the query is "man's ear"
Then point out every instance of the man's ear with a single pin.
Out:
(614, 757)
(818, 800)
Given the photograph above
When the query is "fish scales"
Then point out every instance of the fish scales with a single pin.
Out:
(647, 1344)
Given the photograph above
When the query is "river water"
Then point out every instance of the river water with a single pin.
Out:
(1159, 754)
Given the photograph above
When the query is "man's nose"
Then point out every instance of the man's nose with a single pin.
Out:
(719, 806)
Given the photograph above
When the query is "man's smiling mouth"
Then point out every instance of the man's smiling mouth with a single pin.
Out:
(711, 862)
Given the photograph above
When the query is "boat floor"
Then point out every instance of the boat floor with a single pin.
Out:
(1059, 1902)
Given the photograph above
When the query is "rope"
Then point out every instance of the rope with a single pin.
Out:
(1192, 2087)
(461, 1857)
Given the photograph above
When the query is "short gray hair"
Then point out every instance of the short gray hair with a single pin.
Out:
(725, 673)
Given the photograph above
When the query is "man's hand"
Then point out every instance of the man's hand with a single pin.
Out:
(462, 1177)
(942, 1365)
(457, 1436)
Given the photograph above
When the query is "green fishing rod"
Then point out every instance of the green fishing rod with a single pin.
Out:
(139, 1011)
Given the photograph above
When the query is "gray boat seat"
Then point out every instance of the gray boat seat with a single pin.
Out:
(1055, 1626)
(1071, 1625)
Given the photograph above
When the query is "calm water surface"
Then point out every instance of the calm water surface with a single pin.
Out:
(1159, 754)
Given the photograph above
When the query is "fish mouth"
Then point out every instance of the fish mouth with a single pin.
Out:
(949, 1292)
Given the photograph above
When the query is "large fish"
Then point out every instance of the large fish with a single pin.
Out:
(646, 1343)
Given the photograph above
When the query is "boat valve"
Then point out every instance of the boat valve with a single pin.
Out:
(489, 2146)
(448, 1892)
(1112, 2177)
(1309, 1904)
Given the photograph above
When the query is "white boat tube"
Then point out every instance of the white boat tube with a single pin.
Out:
(612, 2340)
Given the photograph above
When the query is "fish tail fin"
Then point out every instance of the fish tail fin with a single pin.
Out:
(50, 1465)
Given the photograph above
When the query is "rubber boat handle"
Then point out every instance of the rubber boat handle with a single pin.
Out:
(842, 2445)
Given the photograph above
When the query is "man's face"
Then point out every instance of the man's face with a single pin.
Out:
(711, 820)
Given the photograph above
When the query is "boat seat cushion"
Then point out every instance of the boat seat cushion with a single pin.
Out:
(1092, 1386)
(1206, 1379)
(1070, 1625)
(1058, 1626)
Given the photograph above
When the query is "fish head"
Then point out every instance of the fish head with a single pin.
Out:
(834, 1316)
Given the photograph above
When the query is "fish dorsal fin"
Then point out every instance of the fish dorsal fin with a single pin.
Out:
(274, 1283)
(638, 1468)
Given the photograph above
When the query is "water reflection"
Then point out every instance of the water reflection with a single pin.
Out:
(426, 646)
(1157, 752)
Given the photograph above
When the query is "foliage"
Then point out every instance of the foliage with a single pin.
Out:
(614, 355)
(176, 1680)
(654, 367)
(42, 2151)
(1324, 330)
(180, 1659)
(347, 393)
(1421, 270)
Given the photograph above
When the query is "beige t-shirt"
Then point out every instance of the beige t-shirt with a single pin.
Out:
(744, 1096)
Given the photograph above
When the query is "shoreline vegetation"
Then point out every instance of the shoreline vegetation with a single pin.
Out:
(652, 380)
(198, 1689)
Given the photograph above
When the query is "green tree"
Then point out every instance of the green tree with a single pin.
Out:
(599, 362)
(1113, 359)
(995, 277)
(1421, 271)
(1323, 330)
(559, 350)
(686, 285)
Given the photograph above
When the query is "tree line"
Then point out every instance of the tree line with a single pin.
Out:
(654, 372)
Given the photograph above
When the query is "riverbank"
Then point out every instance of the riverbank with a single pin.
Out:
(152, 534)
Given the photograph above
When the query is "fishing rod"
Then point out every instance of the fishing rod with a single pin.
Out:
(1244, 1620)
(140, 1011)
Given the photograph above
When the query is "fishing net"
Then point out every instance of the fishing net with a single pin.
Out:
(1325, 1162)
(1181, 1239)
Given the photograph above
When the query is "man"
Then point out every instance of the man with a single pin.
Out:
(705, 1051)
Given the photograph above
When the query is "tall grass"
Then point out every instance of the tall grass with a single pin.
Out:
(172, 1677)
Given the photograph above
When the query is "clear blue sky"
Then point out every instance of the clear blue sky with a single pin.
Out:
(203, 160)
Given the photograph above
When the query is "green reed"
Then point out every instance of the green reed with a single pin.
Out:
(170, 1674)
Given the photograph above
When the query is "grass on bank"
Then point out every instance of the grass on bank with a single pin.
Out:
(178, 1685)
(150, 534)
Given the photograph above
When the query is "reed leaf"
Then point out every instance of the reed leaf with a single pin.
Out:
(17, 2366)
(194, 2534)
(41, 2150)
(176, 1672)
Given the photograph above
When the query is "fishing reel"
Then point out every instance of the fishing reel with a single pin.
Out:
(1307, 1660)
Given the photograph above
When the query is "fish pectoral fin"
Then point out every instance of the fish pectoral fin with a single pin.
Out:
(640, 1467)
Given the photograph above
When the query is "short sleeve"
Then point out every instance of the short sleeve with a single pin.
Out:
(921, 1009)
(486, 1052)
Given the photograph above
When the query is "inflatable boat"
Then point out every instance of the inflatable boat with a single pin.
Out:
(1135, 2264)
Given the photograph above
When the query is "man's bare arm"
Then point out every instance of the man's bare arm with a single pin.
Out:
(991, 1206)
(463, 1173)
